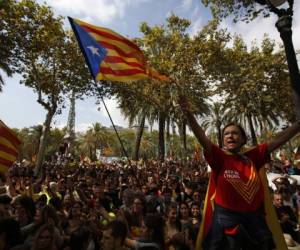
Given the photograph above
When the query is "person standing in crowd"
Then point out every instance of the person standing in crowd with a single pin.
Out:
(172, 228)
(24, 210)
(10, 233)
(187, 194)
(5, 207)
(45, 238)
(184, 215)
(114, 236)
(238, 217)
(287, 218)
(136, 215)
(196, 215)
(152, 234)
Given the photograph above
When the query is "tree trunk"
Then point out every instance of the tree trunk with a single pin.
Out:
(183, 139)
(219, 134)
(173, 138)
(252, 131)
(161, 136)
(90, 151)
(168, 137)
(43, 141)
(150, 126)
(138, 139)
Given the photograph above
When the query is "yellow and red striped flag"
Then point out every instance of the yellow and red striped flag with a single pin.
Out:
(111, 56)
(9, 144)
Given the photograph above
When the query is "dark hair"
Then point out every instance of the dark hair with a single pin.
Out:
(154, 247)
(49, 211)
(276, 192)
(79, 238)
(141, 197)
(155, 224)
(29, 205)
(12, 231)
(118, 229)
(5, 199)
(194, 203)
(173, 205)
(187, 206)
(2, 177)
(42, 199)
(55, 202)
(243, 133)
(190, 185)
(71, 208)
(46, 227)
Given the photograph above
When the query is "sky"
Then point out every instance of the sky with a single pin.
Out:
(18, 105)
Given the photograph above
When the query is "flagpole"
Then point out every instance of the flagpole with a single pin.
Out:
(122, 145)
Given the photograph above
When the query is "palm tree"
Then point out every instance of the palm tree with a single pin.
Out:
(215, 119)
(136, 108)
(95, 138)
(251, 85)
(8, 60)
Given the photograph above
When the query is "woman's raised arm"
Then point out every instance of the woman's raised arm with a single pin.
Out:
(283, 136)
(195, 127)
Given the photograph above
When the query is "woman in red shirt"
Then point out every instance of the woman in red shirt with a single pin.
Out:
(238, 218)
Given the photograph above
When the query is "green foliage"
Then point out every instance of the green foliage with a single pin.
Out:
(8, 60)
(30, 138)
(254, 85)
(47, 58)
(244, 10)
(149, 144)
(251, 84)
(96, 137)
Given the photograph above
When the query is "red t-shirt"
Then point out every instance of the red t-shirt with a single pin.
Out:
(238, 185)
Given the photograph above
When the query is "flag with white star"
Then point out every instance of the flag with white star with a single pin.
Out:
(111, 56)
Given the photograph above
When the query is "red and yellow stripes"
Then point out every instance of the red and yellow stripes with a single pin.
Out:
(124, 60)
(9, 144)
(250, 188)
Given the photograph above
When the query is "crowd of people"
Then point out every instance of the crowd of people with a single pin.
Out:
(139, 203)
(118, 205)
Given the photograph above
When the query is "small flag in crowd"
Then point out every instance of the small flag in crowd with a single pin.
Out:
(111, 56)
(9, 144)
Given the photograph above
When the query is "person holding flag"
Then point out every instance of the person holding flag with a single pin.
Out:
(237, 206)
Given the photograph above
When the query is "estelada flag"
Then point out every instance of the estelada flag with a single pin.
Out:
(271, 217)
(9, 144)
(111, 56)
